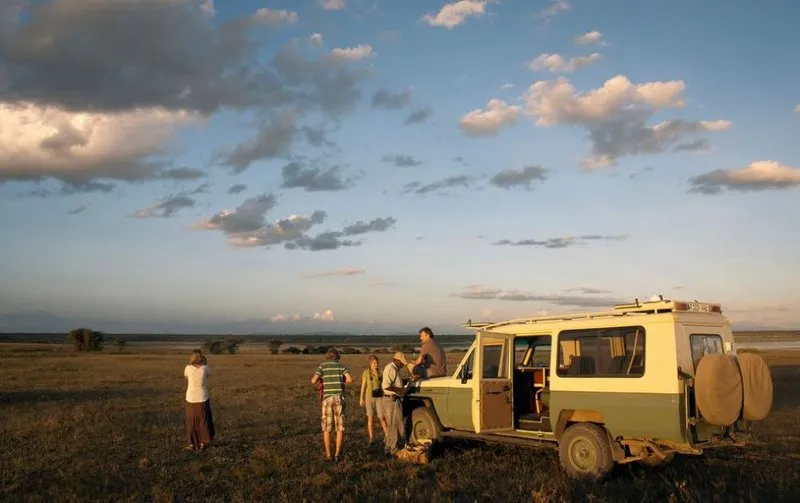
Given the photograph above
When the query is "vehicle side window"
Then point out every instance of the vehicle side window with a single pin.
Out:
(602, 352)
(703, 344)
(492, 368)
(466, 369)
(541, 355)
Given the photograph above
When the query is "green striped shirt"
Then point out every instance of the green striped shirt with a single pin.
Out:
(332, 374)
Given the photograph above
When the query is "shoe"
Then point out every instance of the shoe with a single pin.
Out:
(189, 447)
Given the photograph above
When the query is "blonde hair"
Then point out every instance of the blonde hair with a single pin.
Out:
(196, 357)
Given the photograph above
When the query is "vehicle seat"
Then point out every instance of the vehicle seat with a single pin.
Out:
(581, 365)
(617, 365)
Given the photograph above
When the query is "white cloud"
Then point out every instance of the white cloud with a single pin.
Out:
(759, 175)
(274, 16)
(208, 7)
(489, 121)
(557, 102)
(333, 4)
(316, 39)
(326, 315)
(38, 142)
(356, 53)
(591, 37)
(456, 13)
(555, 63)
(555, 7)
(506, 87)
(797, 109)
(285, 317)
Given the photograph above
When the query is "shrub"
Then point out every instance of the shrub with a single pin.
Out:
(120, 343)
(219, 346)
(293, 350)
(84, 339)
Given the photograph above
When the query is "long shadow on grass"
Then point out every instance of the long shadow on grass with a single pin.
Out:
(786, 394)
(32, 396)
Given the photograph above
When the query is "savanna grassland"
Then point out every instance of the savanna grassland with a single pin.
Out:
(109, 426)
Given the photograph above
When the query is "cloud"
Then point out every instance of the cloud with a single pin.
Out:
(758, 176)
(616, 116)
(506, 87)
(78, 209)
(456, 13)
(236, 189)
(419, 116)
(275, 17)
(326, 315)
(476, 292)
(555, 63)
(356, 53)
(511, 178)
(797, 109)
(107, 107)
(461, 161)
(490, 121)
(182, 174)
(333, 4)
(401, 161)
(46, 142)
(337, 272)
(561, 242)
(316, 39)
(166, 208)
(391, 101)
(464, 181)
(314, 179)
(591, 37)
(588, 291)
(274, 140)
(696, 145)
(554, 8)
(246, 227)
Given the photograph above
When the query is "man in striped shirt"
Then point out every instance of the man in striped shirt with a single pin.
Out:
(334, 375)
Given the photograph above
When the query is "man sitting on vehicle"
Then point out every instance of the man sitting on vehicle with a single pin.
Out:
(431, 361)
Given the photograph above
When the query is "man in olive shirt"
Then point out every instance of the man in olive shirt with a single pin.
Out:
(431, 355)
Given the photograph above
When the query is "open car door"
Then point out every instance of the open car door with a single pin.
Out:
(493, 387)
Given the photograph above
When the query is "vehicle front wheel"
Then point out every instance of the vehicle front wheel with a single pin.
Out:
(424, 426)
(585, 452)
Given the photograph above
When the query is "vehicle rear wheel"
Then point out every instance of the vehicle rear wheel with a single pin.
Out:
(585, 451)
(424, 426)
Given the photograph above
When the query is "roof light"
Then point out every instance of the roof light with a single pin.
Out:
(698, 307)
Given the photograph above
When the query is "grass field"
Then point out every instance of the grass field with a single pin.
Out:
(107, 426)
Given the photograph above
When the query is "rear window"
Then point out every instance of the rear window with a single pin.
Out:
(704, 344)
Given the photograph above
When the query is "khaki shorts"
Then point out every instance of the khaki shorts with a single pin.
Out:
(333, 413)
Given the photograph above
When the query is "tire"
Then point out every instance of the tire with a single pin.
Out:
(718, 389)
(584, 451)
(756, 386)
(424, 426)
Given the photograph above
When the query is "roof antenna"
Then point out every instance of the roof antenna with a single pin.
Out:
(660, 296)
(637, 301)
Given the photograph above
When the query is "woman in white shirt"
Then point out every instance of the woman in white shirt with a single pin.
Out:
(199, 422)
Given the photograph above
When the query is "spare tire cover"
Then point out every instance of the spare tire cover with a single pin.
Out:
(718, 389)
(756, 386)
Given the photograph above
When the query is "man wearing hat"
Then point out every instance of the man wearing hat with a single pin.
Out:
(393, 391)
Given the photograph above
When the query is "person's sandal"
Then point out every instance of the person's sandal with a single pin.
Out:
(189, 447)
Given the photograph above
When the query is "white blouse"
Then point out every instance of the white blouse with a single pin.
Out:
(196, 377)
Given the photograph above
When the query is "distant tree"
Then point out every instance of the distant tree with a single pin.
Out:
(274, 346)
(320, 350)
(231, 344)
(292, 350)
(120, 343)
(308, 350)
(85, 339)
(219, 346)
(213, 347)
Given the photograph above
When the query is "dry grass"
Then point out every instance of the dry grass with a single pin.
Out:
(110, 427)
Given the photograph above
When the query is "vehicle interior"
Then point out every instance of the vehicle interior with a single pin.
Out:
(532, 383)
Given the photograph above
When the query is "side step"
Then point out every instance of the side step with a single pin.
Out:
(492, 437)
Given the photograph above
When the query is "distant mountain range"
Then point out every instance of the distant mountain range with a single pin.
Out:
(40, 321)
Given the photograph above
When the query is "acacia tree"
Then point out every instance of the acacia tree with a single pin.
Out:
(85, 339)
(274, 345)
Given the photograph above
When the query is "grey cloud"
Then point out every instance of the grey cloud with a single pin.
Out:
(560, 242)
(76, 210)
(333, 240)
(524, 177)
(590, 301)
(375, 225)
(401, 161)
(588, 290)
(247, 217)
(713, 182)
(391, 101)
(314, 179)
(697, 145)
(419, 116)
(461, 160)
(78, 187)
(272, 141)
(166, 208)
(182, 174)
(464, 181)
(236, 189)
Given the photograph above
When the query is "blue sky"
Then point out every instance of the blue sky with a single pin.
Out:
(662, 161)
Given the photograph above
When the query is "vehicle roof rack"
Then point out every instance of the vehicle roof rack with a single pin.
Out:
(636, 309)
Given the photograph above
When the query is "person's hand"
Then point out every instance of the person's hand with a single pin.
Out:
(361, 403)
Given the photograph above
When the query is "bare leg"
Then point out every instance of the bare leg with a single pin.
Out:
(370, 428)
(326, 439)
(383, 424)
(339, 440)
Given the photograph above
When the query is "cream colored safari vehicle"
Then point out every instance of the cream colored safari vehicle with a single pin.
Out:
(641, 382)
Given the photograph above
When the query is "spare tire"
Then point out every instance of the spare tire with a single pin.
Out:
(718, 389)
(756, 386)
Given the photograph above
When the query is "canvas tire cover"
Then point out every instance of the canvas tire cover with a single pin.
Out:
(757, 386)
(718, 389)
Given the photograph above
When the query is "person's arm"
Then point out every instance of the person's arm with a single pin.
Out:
(423, 350)
(348, 377)
(361, 394)
(316, 376)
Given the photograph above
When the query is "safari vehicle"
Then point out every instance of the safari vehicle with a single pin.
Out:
(640, 382)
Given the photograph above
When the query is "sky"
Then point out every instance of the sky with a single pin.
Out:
(377, 165)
